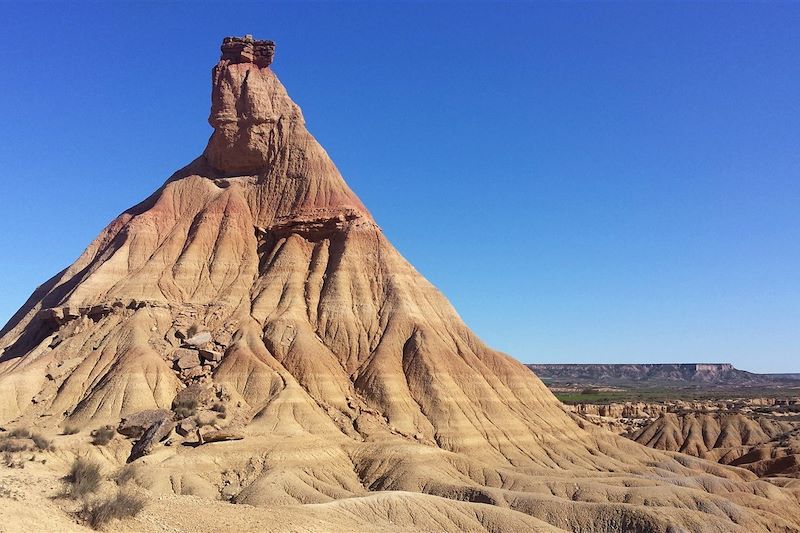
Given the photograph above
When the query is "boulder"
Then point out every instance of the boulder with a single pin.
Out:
(199, 338)
(151, 437)
(196, 395)
(188, 360)
(219, 435)
(134, 425)
(186, 426)
(211, 356)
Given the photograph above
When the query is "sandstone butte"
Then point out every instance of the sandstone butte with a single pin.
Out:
(364, 401)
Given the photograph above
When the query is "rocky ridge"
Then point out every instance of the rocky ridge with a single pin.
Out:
(658, 374)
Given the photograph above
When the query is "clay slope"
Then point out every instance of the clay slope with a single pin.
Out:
(350, 373)
(761, 444)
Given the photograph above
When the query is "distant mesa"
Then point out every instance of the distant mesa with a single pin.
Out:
(657, 374)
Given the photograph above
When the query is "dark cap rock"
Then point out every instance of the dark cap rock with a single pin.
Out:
(247, 50)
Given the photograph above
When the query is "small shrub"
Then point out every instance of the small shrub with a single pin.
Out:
(185, 408)
(70, 429)
(13, 445)
(126, 474)
(20, 433)
(41, 442)
(12, 460)
(84, 478)
(124, 504)
(193, 330)
(220, 408)
(103, 435)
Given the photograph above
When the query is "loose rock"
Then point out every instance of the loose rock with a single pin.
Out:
(211, 355)
(185, 427)
(198, 339)
(134, 425)
(220, 435)
(188, 360)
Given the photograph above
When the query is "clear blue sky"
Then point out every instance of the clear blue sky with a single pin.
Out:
(585, 182)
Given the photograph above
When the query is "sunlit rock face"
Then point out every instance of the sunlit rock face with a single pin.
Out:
(251, 113)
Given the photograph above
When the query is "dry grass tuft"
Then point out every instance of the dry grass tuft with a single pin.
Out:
(41, 442)
(12, 460)
(20, 433)
(8, 445)
(220, 408)
(124, 504)
(103, 435)
(193, 330)
(84, 478)
(71, 429)
(125, 475)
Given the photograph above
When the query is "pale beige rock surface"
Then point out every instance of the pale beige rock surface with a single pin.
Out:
(364, 400)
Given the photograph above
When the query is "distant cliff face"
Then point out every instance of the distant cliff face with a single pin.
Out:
(652, 374)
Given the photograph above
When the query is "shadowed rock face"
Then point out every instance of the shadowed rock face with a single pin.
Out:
(356, 373)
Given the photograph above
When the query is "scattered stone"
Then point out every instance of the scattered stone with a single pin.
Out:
(134, 425)
(193, 373)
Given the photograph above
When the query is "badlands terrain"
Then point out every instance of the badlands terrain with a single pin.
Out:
(244, 350)
(713, 411)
